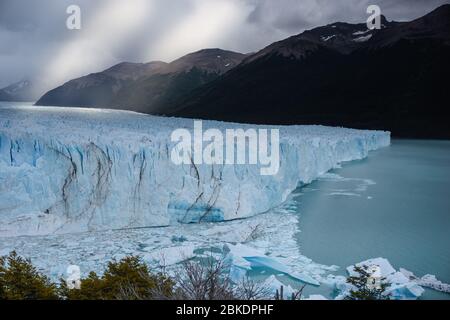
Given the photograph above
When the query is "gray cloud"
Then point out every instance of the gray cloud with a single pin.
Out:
(295, 15)
(34, 42)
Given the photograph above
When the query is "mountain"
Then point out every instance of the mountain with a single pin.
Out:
(4, 96)
(342, 74)
(149, 88)
(20, 91)
(99, 89)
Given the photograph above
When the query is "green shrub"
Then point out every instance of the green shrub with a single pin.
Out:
(19, 280)
(128, 279)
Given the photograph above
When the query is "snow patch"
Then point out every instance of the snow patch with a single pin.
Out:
(363, 38)
(358, 33)
(326, 38)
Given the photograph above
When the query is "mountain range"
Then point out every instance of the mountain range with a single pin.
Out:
(394, 78)
(19, 91)
(150, 88)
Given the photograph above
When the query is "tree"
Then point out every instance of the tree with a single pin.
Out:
(363, 290)
(128, 279)
(204, 281)
(20, 280)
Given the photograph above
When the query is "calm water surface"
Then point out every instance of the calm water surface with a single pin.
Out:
(394, 204)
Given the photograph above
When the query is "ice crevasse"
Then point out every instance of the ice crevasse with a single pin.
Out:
(74, 170)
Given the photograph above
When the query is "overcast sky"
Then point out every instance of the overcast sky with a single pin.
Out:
(35, 43)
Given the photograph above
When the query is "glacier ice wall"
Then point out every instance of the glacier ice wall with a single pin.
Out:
(74, 170)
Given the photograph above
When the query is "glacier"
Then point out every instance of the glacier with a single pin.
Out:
(65, 170)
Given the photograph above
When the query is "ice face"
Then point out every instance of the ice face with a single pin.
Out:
(75, 170)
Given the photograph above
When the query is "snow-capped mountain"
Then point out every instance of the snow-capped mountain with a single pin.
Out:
(339, 36)
(19, 91)
(341, 74)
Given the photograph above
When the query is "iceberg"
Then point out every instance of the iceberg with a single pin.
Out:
(170, 256)
(242, 258)
(400, 287)
(428, 281)
(316, 297)
(65, 170)
(272, 284)
(385, 266)
(405, 291)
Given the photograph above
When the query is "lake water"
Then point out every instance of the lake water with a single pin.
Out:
(394, 204)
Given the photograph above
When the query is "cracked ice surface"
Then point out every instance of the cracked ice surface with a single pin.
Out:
(77, 170)
(170, 245)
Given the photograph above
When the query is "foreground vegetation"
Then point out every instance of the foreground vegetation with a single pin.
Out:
(131, 279)
(127, 279)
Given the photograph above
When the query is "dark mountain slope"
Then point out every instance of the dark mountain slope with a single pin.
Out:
(143, 87)
(395, 79)
(156, 94)
(4, 96)
(99, 89)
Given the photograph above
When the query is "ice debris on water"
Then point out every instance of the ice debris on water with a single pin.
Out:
(402, 284)
(242, 258)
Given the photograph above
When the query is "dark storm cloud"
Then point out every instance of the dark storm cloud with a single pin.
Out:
(34, 42)
(296, 15)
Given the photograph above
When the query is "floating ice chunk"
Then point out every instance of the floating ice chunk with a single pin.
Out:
(408, 274)
(385, 266)
(304, 278)
(331, 177)
(400, 285)
(237, 273)
(428, 281)
(397, 277)
(171, 255)
(242, 258)
(406, 291)
(242, 250)
(316, 297)
(273, 284)
(345, 194)
(338, 284)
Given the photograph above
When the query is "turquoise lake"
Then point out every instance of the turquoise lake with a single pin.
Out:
(394, 204)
